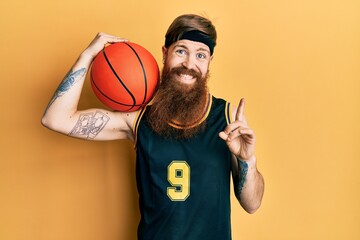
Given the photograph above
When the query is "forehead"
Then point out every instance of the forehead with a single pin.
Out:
(191, 45)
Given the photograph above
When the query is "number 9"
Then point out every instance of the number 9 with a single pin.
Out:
(179, 178)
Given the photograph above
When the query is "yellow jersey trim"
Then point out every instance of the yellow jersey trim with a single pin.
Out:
(228, 113)
(178, 125)
(136, 124)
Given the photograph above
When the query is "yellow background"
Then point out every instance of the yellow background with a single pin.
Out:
(296, 62)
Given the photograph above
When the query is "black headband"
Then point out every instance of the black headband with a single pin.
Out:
(193, 35)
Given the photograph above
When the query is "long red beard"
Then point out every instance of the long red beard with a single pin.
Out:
(176, 101)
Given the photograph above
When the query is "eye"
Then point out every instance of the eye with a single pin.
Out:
(181, 51)
(201, 55)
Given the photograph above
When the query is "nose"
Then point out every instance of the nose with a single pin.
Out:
(189, 63)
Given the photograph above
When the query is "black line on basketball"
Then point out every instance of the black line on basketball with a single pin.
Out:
(117, 76)
(143, 69)
(123, 104)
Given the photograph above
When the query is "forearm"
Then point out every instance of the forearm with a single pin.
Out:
(249, 185)
(63, 104)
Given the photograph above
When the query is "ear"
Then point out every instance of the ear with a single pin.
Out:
(164, 53)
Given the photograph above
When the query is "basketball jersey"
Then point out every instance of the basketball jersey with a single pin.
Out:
(184, 184)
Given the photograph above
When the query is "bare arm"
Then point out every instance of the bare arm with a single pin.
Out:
(248, 182)
(62, 114)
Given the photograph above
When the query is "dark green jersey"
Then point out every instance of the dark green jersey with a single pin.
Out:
(184, 185)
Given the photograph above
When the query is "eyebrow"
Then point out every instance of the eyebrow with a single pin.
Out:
(199, 49)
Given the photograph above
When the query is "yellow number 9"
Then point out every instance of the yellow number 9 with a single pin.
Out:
(179, 178)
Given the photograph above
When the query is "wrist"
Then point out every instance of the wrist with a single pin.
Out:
(85, 58)
(251, 162)
(249, 159)
(87, 55)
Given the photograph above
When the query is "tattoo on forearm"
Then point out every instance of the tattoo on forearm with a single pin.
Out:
(243, 170)
(70, 79)
(89, 125)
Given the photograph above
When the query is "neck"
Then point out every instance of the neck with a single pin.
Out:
(183, 124)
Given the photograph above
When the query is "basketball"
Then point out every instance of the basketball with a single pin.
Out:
(124, 76)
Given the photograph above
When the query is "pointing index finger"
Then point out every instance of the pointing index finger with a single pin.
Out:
(240, 110)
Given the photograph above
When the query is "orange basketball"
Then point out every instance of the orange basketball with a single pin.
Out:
(124, 76)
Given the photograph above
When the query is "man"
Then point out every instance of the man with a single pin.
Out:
(187, 142)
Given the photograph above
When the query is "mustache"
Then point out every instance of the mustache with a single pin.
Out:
(183, 70)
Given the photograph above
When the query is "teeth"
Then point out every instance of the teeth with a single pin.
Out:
(186, 77)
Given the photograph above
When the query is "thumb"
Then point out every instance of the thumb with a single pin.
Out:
(223, 135)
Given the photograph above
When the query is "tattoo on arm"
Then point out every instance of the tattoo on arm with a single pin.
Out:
(243, 170)
(70, 79)
(89, 125)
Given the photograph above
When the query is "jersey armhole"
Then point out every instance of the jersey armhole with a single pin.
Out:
(228, 113)
(136, 123)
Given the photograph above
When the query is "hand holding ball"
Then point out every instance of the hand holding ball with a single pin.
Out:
(124, 76)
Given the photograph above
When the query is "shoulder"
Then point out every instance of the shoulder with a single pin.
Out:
(218, 103)
(127, 117)
(135, 117)
(122, 123)
(230, 109)
(223, 107)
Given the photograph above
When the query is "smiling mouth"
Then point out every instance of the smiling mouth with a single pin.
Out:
(186, 78)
